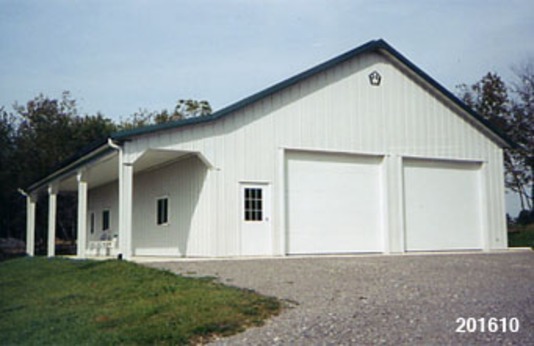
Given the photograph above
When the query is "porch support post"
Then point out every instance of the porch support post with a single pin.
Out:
(52, 212)
(82, 215)
(30, 225)
(125, 209)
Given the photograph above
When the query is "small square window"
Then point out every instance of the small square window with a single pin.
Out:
(105, 220)
(162, 210)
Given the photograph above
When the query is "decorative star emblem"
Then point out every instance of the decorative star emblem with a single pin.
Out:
(375, 78)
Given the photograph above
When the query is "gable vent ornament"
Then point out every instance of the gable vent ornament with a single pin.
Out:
(375, 78)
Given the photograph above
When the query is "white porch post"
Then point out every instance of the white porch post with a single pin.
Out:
(52, 212)
(30, 225)
(125, 209)
(82, 215)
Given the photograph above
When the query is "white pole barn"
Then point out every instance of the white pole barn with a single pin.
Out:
(362, 153)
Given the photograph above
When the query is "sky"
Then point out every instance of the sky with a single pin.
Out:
(119, 56)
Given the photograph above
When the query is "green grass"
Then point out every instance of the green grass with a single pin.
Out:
(522, 236)
(70, 302)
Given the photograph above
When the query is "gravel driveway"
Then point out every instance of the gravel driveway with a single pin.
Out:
(404, 299)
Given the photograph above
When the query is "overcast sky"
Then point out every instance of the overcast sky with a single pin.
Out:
(117, 56)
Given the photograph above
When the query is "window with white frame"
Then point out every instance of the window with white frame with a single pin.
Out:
(162, 211)
(106, 218)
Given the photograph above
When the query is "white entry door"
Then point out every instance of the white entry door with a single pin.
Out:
(256, 219)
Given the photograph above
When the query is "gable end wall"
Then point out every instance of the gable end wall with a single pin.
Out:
(336, 110)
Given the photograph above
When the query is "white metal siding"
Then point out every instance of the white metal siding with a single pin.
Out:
(100, 199)
(336, 110)
(183, 183)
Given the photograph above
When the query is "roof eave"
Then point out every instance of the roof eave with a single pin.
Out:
(69, 169)
(375, 45)
(367, 47)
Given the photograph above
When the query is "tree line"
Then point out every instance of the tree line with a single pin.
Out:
(509, 107)
(38, 135)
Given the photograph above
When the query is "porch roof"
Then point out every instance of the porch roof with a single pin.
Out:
(102, 167)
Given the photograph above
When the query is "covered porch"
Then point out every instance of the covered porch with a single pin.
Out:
(111, 166)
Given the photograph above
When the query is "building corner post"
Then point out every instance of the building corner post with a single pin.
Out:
(30, 225)
(30, 222)
(82, 215)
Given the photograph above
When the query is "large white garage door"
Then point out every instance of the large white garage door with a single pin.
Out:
(333, 203)
(442, 205)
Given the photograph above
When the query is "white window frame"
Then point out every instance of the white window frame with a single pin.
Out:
(166, 223)
(109, 219)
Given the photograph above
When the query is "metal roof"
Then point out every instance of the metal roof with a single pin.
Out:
(371, 46)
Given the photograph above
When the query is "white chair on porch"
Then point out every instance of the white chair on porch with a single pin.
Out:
(104, 246)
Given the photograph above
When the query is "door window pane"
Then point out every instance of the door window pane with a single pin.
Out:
(253, 204)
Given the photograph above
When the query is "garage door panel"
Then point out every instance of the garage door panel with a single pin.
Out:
(442, 205)
(333, 203)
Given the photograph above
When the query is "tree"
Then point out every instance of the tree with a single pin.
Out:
(90, 128)
(7, 133)
(191, 109)
(510, 110)
(523, 129)
(142, 117)
(34, 140)
(46, 131)
(184, 109)
(43, 135)
(50, 131)
(489, 98)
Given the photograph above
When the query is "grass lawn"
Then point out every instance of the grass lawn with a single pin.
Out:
(522, 236)
(68, 302)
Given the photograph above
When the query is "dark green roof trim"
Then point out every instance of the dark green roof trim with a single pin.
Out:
(385, 46)
(86, 155)
(371, 46)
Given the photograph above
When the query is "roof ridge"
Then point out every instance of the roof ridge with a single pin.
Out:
(373, 45)
(366, 47)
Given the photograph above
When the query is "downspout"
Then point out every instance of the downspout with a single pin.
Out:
(113, 145)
